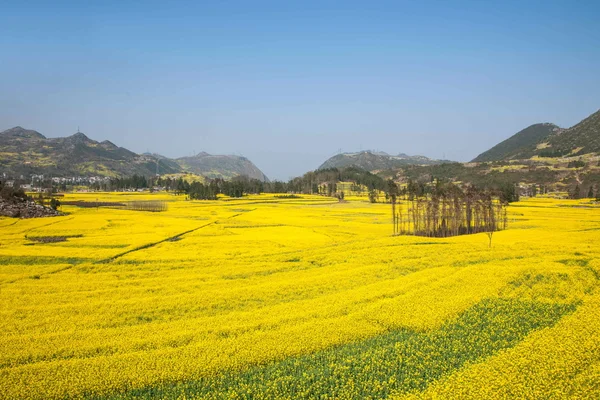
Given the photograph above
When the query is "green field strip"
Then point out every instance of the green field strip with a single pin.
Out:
(400, 361)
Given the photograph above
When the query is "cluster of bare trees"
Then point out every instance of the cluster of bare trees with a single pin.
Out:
(448, 211)
(136, 205)
(147, 205)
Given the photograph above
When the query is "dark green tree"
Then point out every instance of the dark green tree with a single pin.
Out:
(54, 204)
(373, 196)
(392, 190)
(576, 194)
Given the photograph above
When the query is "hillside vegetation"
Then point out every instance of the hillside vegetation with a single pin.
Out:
(217, 166)
(519, 146)
(374, 161)
(557, 175)
(541, 156)
(583, 138)
(26, 152)
(548, 140)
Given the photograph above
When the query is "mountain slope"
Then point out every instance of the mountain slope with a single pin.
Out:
(26, 152)
(548, 140)
(165, 165)
(221, 166)
(583, 137)
(519, 146)
(19, 132)
(375, 161)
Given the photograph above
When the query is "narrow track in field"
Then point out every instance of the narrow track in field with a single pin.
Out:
(169, 239)
(45, 225)
(116, 256)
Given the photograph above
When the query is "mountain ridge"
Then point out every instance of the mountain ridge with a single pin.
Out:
(375, 160)
(26, 152)
(221, 166)
(585, 136)
(520, 145)
(548, 140)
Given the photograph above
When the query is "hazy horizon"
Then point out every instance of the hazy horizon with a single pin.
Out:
(289, 85)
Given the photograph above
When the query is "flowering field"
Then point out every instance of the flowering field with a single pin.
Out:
(269, 297)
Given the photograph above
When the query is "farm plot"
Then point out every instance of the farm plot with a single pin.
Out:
(269, 297)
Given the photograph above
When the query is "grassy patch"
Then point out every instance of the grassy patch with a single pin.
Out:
(52, 239)
(40, 260)
(575, 262)
(397, 362)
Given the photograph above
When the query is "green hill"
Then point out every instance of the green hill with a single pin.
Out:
(26, 152)
(583, 138)
(548, 140)
(221, 166)
(375, 161)
(519, 146)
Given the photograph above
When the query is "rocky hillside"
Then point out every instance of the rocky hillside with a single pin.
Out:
(521, 145)
(226, 167)
(375, 161)
(15, 203)
(26, 152)
(25, 209)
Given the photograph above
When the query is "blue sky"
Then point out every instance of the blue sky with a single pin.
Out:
(288, 84)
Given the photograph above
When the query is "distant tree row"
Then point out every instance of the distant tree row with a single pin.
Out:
(324, 181)
(537, 178)
(577, 193)
(134, 182)
(419, 182)
(314, 182)
(236, 187)
(506, 193)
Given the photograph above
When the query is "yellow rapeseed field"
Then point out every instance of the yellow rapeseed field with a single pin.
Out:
(268, 297)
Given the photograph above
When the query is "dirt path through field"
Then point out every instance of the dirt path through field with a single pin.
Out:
(171, 238)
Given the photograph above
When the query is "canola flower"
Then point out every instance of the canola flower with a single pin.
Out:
(562, 361)
(202, 299)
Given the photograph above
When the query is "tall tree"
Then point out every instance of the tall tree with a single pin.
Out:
(576, 194)
(393, 193)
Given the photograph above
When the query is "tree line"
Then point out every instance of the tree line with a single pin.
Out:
(325, 182)
(314, 182)
(578, 193)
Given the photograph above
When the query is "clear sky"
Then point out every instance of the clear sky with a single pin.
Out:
(288, 84)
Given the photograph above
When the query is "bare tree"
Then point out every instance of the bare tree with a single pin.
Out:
(449, 211)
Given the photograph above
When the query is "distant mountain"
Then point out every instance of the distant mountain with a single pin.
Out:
(519, 146)
(165, 165)
(548, 140)
(583, 138)
(18, 132)
(375, 161)
(27, 152)
(226, 167)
